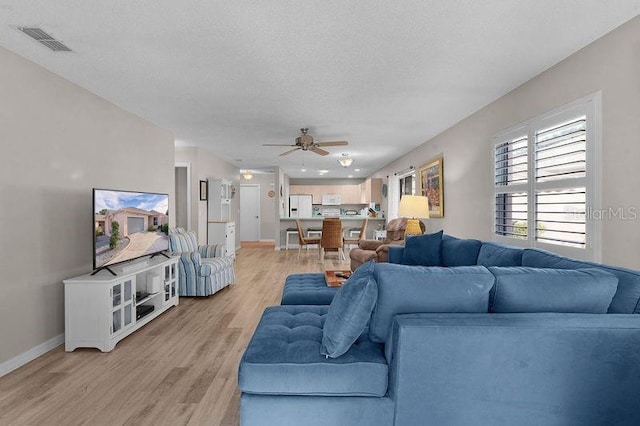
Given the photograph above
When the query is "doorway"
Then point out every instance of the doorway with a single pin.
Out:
(249, 212)
(183, 195)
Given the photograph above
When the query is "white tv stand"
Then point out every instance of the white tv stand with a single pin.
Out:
(100, 310)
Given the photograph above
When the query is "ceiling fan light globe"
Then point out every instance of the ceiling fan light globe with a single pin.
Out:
(345, 162)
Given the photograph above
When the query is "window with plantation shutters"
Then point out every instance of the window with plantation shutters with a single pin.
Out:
(511, 176)
(561, 169)
(546, 174)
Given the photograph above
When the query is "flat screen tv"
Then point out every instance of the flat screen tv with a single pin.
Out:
(128, 225)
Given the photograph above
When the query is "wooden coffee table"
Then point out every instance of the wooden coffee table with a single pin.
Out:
(332, 280)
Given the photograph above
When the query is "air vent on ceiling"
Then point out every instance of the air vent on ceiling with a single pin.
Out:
(44, 38)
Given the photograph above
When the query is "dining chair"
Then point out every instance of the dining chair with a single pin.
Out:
(305, 241)
(363, 233)
(332, 239)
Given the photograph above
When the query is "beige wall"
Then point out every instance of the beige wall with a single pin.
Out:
(610, 64)
(204, 166)
(59, 141)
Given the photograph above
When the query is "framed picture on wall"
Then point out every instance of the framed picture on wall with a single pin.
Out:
(431, 180)
(203, 190)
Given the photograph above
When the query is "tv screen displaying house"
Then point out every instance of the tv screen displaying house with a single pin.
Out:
(128, 225)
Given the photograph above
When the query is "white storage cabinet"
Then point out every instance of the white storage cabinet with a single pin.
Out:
(100, 310)
(223, 233)
(219, 204)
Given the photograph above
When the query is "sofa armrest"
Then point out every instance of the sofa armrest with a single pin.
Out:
(395, 254)
(383, 250)
(369, 244)
(208, 251)
(540, 368)
(191, 258)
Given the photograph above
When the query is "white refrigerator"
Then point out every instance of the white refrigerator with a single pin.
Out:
(300, 206)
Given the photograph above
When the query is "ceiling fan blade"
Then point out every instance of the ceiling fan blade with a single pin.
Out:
(278, 144)
(318, 150)
(289, 152)
(333, 143)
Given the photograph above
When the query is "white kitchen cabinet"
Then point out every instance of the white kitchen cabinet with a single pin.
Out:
(100, 310)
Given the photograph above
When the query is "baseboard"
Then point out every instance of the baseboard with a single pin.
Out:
(33, 353)
(268, 241)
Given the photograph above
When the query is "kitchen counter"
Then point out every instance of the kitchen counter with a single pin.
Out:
(316, 222)
(350, 217)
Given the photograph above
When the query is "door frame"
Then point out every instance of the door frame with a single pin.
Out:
(188, 166)
(254, 185)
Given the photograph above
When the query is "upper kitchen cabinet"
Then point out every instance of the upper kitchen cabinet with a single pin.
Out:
(371, 191)
(351, 194)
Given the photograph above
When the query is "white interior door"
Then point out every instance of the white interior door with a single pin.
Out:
(249, 212)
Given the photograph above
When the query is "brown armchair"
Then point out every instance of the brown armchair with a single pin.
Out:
(378, 251)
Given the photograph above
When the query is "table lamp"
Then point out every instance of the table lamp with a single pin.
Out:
(413, 207)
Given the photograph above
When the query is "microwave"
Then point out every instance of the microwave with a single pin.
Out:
(331, 199)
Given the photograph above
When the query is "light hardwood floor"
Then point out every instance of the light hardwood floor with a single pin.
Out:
(179, 369)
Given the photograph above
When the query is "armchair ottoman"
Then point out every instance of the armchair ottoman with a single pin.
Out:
(307, 289)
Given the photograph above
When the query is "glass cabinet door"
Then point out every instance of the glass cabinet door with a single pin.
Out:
(129, 299)
(116, 304)
(116, 295)
(173, 280)
(167, 282)
(122, 305)
(170, 282)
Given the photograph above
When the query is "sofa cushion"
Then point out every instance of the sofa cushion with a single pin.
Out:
(521, 290)
(307, 289)
(349, 312)
(283, 358)
(626, 299)
(458, 252)
(406, 289)
(494, 254)
(423, 250)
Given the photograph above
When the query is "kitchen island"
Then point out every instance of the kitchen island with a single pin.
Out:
(348, 221)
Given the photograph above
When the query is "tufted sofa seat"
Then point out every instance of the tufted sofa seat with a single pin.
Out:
(307, 289)
(284, 358)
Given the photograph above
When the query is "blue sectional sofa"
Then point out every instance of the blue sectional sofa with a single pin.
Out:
(491, 335)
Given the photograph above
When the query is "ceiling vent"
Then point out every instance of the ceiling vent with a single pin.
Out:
(43, 38)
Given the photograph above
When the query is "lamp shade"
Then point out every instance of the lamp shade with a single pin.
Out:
(414, 206)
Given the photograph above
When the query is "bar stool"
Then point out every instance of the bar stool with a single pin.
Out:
(314, 231)
(290, 231)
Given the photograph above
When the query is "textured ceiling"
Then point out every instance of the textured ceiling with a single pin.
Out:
(229, 76)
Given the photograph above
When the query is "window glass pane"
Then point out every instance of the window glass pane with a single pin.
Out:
(560, 217)
(511, 215)
(511, 162)
(561, 151)
(407, 185)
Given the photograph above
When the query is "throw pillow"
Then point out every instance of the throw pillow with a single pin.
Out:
(457, 252)
(423, 250)
(521, 289)
(349, 312)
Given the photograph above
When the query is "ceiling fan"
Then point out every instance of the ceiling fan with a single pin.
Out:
(306, 143)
